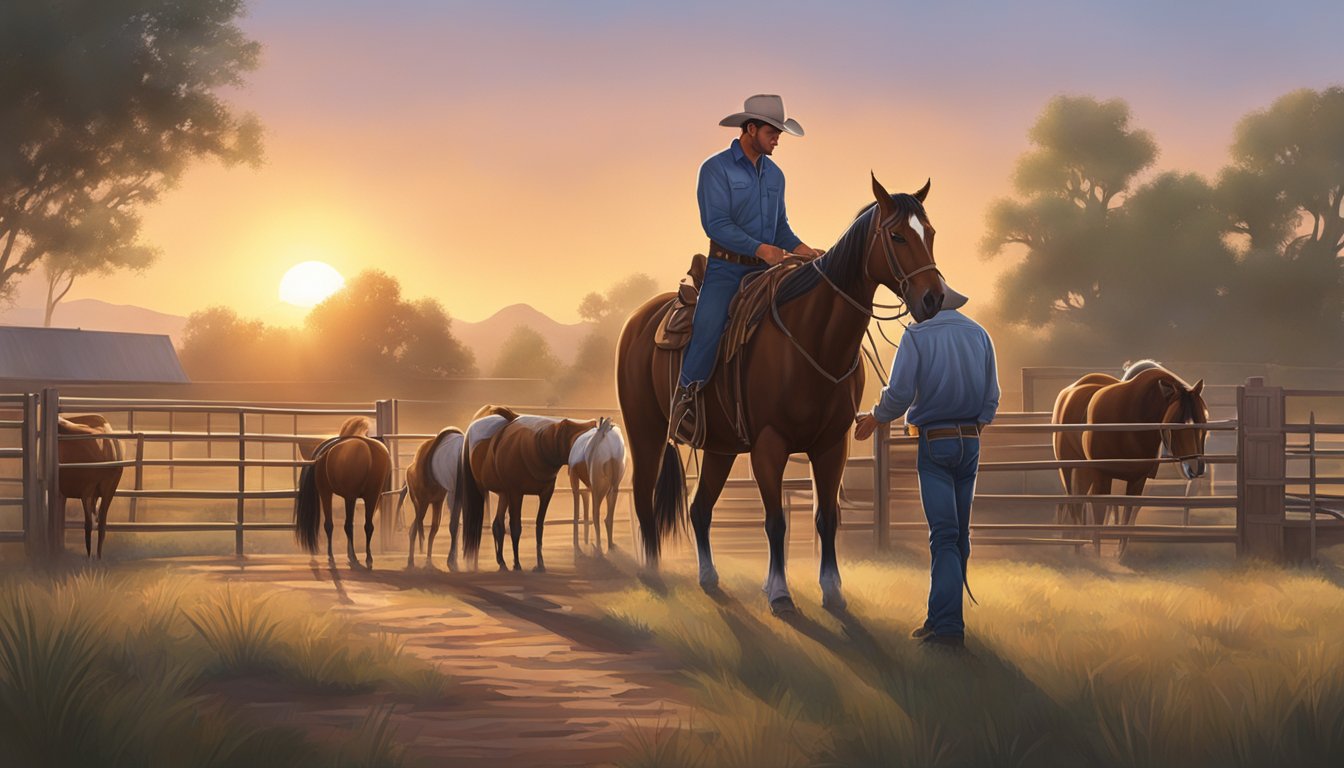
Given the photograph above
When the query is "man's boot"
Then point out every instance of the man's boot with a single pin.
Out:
(686, 422)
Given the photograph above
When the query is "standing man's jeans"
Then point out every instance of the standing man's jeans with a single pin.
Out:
(722, 279)
(947, 468)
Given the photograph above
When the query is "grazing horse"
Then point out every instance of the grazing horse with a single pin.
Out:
(93, 486)
(512, 455)
(431, 479)
(1146, 394)
(800, 383)
(353, 466)
(597, 460)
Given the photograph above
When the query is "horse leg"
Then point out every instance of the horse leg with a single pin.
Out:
(497, 528)
(574, 491)
(767, 462)
(544, 500)
(324, 495)
(516, 526)
(370, 507)
(103, 504)
(87, 503)
(828, 468)
(1100, 486)
(454, 517)
(714, 469)
(1132, 488)
(433, 531)
(592, 509)
(611, 516)
(417, 526)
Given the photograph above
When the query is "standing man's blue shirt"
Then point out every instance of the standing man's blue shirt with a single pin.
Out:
(944, 373)
(742, 205)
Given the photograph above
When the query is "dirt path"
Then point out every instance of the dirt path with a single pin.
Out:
(544, 680)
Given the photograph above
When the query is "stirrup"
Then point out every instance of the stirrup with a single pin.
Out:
(686, 423)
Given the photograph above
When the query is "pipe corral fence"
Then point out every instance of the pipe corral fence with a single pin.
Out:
(1275, 458)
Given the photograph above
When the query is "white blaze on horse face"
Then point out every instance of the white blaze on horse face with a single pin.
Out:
(915, 225)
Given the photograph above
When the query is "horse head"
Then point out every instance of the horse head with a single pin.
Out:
(1185, 405)
(900, 251)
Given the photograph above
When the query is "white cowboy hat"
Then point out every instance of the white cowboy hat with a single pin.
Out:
(951, 298)
(766, 107)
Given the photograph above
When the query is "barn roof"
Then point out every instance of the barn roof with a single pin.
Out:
(78, 356)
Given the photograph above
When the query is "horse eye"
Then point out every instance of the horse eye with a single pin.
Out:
(897, 237)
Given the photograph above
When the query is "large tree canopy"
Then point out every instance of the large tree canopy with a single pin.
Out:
(103, 103)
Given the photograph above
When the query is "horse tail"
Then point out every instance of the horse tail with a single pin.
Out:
(471, 499)
(353, 426)
(307, 511)
(669, 502)
(396, 513)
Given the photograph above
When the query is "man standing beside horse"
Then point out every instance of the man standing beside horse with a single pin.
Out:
(945, 374)
(741, 196)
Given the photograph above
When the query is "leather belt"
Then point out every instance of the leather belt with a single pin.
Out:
(965, 430)
(717, 251)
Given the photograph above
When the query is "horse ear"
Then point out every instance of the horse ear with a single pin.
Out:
(1199, 387)
(883, 197)
(924, 191)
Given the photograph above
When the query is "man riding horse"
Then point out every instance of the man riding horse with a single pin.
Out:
(741, 196)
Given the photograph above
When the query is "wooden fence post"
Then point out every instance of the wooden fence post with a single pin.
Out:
(34, 510)
(1260, 470)
(882, 486)
(242, 484)
(385, 424)
(50, 457)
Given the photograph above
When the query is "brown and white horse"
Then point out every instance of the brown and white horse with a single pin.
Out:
(1146, 394)
(432, 480)
(93, 486)
(512, 455)
(353, 466)
(800, 384)
(597, 462)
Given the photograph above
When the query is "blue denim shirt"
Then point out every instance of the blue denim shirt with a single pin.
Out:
(742, 205)
(944, 373)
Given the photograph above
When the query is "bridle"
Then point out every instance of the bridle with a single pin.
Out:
(883, 231)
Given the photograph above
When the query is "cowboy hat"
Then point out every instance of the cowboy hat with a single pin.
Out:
(951, 299)
(767, 108)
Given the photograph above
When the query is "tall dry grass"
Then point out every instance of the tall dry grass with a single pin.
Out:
(110, 670)
(1214, 666)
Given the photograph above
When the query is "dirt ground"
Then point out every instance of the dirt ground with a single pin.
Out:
(543, 680)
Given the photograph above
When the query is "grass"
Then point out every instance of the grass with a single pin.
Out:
(110, 670)
(1207, 666)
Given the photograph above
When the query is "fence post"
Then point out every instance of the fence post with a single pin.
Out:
(242, 484)
(1260, 470)
(882, 486)
(50, 457)
(34, 521)
(384, 423)
(139, 479)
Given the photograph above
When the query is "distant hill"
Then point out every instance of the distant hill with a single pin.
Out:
(483, 338)
(96, 315)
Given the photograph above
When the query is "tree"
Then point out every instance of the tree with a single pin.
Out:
(526, 354)
(105, 240)
(591, 377)
(104, 104)
(218, 345)
(431, 349)
(1086, 156)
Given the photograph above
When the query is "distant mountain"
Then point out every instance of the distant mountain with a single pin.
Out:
(96, 315)
(483, 338)
(487, 336)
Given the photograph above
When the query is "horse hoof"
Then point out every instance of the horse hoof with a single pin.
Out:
(517, 567)
(783, 606)
(833, 601)
(710, 583)
(539, 569)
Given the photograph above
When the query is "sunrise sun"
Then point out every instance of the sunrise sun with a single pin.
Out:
(308, 283)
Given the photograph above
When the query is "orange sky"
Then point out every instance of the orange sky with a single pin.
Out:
(485, 156)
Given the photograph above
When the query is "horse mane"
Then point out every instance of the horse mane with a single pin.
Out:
(844, 261)
(1134, 369)
(496, 410)
(354, 426)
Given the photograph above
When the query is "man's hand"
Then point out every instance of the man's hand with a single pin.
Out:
(770, 254)
(864, 425)
(805, 250)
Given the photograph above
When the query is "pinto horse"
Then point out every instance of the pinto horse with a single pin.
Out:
(1146, 394)
(801, 383)
(352, 465)
(512, 455)
(432, 480)
(93, 486)
(597, 461)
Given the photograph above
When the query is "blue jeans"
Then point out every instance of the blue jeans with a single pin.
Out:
(722, 279)
(947, 468)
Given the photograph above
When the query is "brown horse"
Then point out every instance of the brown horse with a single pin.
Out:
(93, 486)
(800, 385)
(352, 465)
(512, 455)
(1146, 394)
(432, 479)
